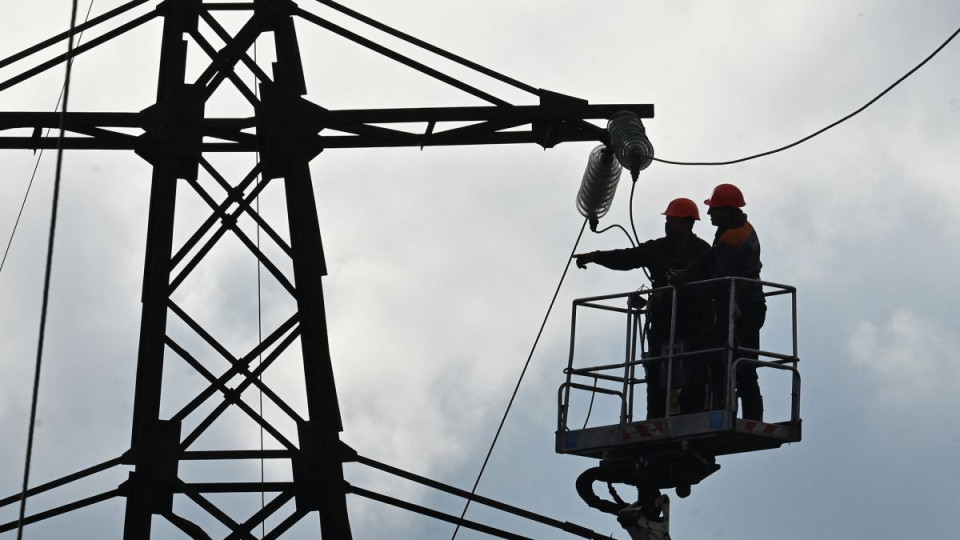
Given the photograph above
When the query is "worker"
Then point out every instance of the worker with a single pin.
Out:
(669, 260)
(736, 253)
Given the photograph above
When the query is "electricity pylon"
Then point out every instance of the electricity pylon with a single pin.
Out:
(285, 132)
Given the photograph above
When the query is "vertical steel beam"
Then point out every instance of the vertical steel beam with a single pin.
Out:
(309, 266)
(287, 144)
(154, 442)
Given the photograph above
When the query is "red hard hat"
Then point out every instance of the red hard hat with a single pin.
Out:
(682, 207)
(726, 195)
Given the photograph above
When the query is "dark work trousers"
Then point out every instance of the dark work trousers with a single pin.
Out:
(655, 372)
(747, 332)
(656, 393)
(688, 373)
(693, 392)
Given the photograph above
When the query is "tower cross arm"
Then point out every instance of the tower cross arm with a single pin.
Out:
(549, 124)
(527, 113)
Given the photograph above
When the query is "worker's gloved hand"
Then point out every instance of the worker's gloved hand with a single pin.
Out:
(584, 259)
(679, 276)
(636, 301)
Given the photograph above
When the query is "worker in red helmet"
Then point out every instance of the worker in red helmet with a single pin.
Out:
(736, 253)
(670, 260)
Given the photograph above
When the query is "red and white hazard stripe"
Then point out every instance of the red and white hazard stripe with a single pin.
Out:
(643, 430)
(760, 427)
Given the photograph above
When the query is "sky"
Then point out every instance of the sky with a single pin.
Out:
(442, 262)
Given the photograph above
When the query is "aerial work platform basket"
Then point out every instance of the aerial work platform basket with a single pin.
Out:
(603, 402)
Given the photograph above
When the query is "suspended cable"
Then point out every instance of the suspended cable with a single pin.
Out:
(450, 56)
(633, 189)
(593, 395)
(566, 526)
(520, 379)
(618, 226)
(263, 495)
(87, 25)
(432, 48)
(47, 272)
(633, 226)
(36, 165)
(23, 204)
(393, 55)
(835, 124)
(78, 50)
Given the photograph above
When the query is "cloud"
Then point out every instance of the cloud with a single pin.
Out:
(911, 359)
(442, 261)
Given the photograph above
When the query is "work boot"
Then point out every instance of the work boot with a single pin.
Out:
(752, 406)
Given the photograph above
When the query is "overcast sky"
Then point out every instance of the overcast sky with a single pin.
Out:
(442, 262)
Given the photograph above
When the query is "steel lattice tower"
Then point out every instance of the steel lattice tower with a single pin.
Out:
(177, 138)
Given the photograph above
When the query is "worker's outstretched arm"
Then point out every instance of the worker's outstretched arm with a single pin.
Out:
(617, 259)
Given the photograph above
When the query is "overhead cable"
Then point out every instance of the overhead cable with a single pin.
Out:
(531, 89)
(567, 526)
(36, 165)
(47, 272)
(427, 46)
(833, 125)
(520, 379)
(618, 226)
(263, 494)
(87, 24)
(89, 471)
(80, 49)
(393, 55)
(633, 190)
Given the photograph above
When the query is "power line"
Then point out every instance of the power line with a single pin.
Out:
(428, 47)
(831, 126)
(23, 204)
(36, 166)
(47, 272)
(263, 495)
(528, 88)
(520, 379)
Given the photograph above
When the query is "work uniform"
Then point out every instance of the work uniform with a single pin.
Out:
(736, 252)
(664, 257)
